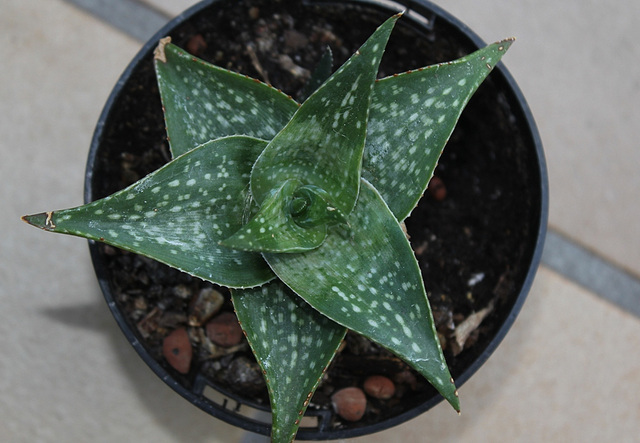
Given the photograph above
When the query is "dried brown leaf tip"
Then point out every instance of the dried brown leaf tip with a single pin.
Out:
(158, 53)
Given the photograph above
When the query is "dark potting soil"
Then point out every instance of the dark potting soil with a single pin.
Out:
(469, 234)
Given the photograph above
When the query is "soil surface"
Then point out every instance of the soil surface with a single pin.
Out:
(472, 232)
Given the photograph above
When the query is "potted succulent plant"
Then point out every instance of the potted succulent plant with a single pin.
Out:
(297, 207)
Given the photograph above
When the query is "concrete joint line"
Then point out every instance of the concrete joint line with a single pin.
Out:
(134, 18)
(592, 272)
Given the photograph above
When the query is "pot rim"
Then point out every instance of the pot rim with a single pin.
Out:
(422, 12)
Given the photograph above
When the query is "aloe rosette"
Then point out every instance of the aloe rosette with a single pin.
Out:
(297, 207)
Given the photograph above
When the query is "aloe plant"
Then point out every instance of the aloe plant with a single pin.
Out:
(297, 207)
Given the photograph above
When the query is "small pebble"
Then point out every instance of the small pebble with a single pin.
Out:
(140, 303)
(245, 375)
(294, 39)
(349, 403)
(177, 350)
(224, 330)
(181, 291)
(254, 13)
(196, 45)
(436, 189)
(204, 305)
(379, 386)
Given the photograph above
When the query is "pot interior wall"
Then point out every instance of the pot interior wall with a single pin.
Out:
(475, 247)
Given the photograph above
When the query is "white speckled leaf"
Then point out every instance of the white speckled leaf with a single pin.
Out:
(293, 344)
(323, 143)
(366, 278)
(178, 214)
(274, 229)
(412, 116)
(203, 102)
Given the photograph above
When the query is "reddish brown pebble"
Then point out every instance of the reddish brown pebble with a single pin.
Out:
(349, 403)
(254, 13)
(224, 330)
(196, 45)
(436, 189)
(177, 350)
(379, 386)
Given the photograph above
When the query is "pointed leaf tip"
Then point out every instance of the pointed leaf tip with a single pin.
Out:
(227, 103)
(293, 344)
(43, 220)
(159, 53)
(174, 214)
(507, 42)
(403, 145)
(497, 49)
(454, 400)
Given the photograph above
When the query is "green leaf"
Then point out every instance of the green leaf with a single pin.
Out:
(322, 144)
(412, 117)
(203, 102)
(366, 278)
(293, 344)
(178, 214)
(274, 227)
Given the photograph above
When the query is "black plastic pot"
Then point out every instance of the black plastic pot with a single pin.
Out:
(525, 171)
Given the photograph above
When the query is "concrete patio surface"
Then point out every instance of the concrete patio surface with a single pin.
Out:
(569, 370)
